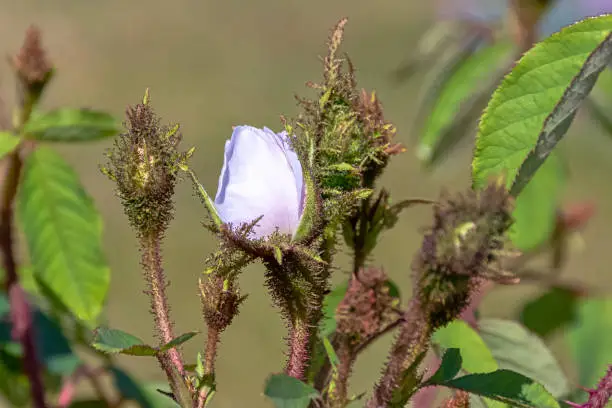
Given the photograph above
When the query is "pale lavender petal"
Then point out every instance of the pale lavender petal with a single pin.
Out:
(566, 12)
(594, 7)
(258, 179)
(294, 162)
(476, 10)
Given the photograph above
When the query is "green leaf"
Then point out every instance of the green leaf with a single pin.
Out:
(550, 311)
(14, 387)
(561, 117)
(53, 348)
(311, 213)
(208, 202)
(63, 231)
(331, 353)
(394, 290)
(28, 281)
(330, 304)
(289, 392)
(505, 386)
(155, 396)
(517, 111)
(177, 341)
(590, 338)
(145, 396)
(449, 367)
(114, 341)
(457, 93)
(8, 143)
(518, 350)
(5, 307)
(535, 209)
(71, 125)
(408, 384)
(476, 356)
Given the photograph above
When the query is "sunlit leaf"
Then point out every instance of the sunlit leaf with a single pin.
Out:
(590, 338)
(536, 208)
(514, 348)
(476, 356)
(116, 341)
(505, 386)
(558, 122)
(449, 367)
(289, 392)
(177, 341)
(69, 124)
(517, 114)
(63, 232)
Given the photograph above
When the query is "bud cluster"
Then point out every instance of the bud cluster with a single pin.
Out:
(144, 163)
(463, 247)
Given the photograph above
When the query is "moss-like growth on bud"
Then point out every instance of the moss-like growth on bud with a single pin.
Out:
(144, 163)
(342, 135)
(221, 300)
(367, 307)
(464, 246)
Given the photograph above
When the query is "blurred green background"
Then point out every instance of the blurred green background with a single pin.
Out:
(214, 64)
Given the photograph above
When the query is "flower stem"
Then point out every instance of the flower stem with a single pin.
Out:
(21, 315)
(170, 361)
(212, 341)
(299, 349)
(338, 387)
(412, 341)
(601, 395)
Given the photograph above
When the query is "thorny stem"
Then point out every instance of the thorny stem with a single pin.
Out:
(299, 350)
(412, 341)
(21, 315)
(322, 378)
(212, 341)
(347, 355)
(338, 389)
(170, 361)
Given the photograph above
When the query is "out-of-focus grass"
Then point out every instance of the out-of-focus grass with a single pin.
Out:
(211, 65)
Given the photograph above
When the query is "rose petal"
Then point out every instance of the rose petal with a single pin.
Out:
(295, 164)
(259, 178)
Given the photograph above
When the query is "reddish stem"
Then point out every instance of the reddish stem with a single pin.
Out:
(21, 315)
(299, 345)
(209, 363)
(171, 361)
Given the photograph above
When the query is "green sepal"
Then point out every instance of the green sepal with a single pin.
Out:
(312, 211)
(208, 202)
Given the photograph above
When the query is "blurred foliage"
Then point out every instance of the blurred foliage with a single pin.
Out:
(473, 65)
